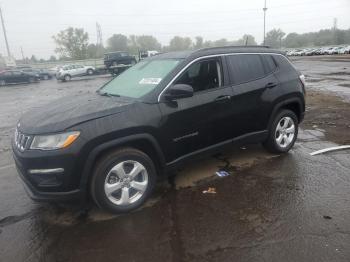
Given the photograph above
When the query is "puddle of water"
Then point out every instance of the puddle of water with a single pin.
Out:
(96, 214)
(230, 161)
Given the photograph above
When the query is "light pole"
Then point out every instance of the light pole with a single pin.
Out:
(264, 9)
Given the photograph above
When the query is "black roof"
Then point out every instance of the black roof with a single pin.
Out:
(217, 50)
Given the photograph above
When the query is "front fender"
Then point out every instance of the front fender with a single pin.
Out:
(92, 156)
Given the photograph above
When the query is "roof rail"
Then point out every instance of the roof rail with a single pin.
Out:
(234, 46)
(240, 46)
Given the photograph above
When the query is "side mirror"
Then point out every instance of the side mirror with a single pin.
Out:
(179, 91)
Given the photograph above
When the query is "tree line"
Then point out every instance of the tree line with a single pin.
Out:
(73, 43)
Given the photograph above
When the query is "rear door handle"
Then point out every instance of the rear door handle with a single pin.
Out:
(223, 98)
(271, 85)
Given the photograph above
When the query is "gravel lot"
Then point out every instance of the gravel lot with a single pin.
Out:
(292, 207)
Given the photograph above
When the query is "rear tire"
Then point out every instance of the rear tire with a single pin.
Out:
(283, 132)
(122, 180)
(90, 72)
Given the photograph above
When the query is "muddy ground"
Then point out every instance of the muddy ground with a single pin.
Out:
(292, 207)
(330, 114)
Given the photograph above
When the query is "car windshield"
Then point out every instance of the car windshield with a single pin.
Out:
(140, 79)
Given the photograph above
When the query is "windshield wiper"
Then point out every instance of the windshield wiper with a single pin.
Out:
(107, 94)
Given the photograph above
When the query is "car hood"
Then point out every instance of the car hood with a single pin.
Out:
(66, 112)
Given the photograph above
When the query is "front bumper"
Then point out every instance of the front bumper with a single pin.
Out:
(54, 186)
(39, 196)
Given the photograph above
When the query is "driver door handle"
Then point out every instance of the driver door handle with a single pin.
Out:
(223, 98)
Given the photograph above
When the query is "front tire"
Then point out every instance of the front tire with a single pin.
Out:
(67, 78)
(123, 180)
(283, 132)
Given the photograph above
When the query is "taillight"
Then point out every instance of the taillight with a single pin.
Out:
(303, 83)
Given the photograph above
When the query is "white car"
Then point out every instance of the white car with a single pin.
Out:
(67, 72)
(331, 51)
(345, 50)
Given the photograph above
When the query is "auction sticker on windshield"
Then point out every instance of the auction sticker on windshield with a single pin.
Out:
(150, 81)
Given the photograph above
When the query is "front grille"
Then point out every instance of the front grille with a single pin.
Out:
(22, 141)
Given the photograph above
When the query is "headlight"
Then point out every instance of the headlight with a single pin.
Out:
(51, 142)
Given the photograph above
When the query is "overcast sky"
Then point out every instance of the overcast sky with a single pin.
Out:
(31, 24)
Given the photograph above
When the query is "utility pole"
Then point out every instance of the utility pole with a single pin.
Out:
(99, 42)
(5, 36)
(335, 28)
(23, 59)
(335, 22)
(264, 9)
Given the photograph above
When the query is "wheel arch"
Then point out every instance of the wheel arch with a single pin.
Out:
(143, 142)
(294, 104)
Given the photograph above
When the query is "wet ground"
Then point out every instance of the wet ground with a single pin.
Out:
(293, 207)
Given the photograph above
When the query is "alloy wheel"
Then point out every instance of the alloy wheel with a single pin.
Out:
(126, 182)
(285, 132)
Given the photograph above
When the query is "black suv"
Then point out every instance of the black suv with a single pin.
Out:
(118, 58)
(113, 145)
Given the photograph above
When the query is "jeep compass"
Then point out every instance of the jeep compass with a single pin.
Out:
(114, 144)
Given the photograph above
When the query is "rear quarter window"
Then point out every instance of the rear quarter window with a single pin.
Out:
(284, 63)
(269, 63)
(245, 68)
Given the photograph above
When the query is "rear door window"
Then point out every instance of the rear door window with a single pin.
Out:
(245, 68)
